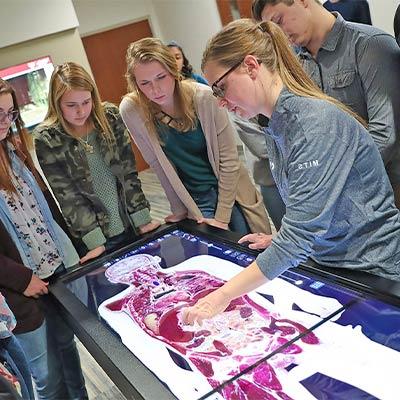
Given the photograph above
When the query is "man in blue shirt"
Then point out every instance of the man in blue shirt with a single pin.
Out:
(354, 63)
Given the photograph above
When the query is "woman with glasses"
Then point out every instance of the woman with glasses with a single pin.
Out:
(189, 142)
(340, 208)
(85, 152)
(33, 247)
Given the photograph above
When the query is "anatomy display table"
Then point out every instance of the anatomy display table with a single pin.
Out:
(308, 334)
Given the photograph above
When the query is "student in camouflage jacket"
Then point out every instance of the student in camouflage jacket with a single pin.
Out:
(92, 172)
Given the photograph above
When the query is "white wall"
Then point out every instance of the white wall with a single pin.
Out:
(35, 28)
(100, 15)
(382, 13)
(22, 20)
(61, 47)
(190, 22)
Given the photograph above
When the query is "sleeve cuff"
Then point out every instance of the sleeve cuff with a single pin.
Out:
(24, 281)
(223, 214)
(94, 238)
(270, 264)
(141, 217)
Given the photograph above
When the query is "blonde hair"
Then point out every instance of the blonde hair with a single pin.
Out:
(269, 44)
(21, 141)
(145, 51)
(72, 76)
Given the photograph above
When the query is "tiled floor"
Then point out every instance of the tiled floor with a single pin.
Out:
(98, 384)
(155, 194)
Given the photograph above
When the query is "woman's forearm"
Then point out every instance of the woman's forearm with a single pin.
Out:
(246, 281)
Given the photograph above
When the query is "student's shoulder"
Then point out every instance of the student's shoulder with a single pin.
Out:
(203, 94)
(323, 123)
(46, 133)
(310, 113)
(129, 103)
(365, 33)
(111, 112)
(371, 42)
(200, 87)
(132, 113)
(110, 108)
(301, 105)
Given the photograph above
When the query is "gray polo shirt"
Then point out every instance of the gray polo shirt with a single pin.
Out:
(360, 66)
(255, 149)
(339, 204)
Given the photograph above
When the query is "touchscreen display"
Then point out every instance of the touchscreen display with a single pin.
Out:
(294, 338)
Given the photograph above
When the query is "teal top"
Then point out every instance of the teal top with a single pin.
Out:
(104, 186)
(187, 151)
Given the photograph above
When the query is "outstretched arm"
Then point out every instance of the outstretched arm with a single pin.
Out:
(216, 302)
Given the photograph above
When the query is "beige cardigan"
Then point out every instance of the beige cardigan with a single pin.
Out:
(234, 183)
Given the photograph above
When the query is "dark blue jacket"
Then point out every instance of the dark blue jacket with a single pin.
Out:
(351, 10)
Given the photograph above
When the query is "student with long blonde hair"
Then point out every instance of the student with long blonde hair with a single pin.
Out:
(189, 142)
(340, 208)
(85, 153)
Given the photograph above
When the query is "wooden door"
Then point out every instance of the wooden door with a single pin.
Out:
(106, 53)
(233, 9)
(244, 7)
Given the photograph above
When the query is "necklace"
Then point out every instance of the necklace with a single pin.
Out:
(166, 119)
(87, 147)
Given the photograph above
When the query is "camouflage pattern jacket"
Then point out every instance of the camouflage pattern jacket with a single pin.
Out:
(66, 168)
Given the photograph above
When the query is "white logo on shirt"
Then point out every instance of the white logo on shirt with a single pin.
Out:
(272, 165)
(308, 164)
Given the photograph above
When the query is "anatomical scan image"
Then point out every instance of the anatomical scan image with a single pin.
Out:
(194, 360)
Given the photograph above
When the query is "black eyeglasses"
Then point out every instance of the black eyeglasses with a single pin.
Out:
(11, 115)
(218, 91)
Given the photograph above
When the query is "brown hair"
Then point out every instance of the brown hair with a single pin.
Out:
(21, 141)
(70, 76)
(269, 44)
(258, 6)
(187, 69)
(145, 51)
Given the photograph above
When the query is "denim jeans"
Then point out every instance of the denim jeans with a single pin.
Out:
(53, 358)
(274, 204)
(207, 203)
(12, 352)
